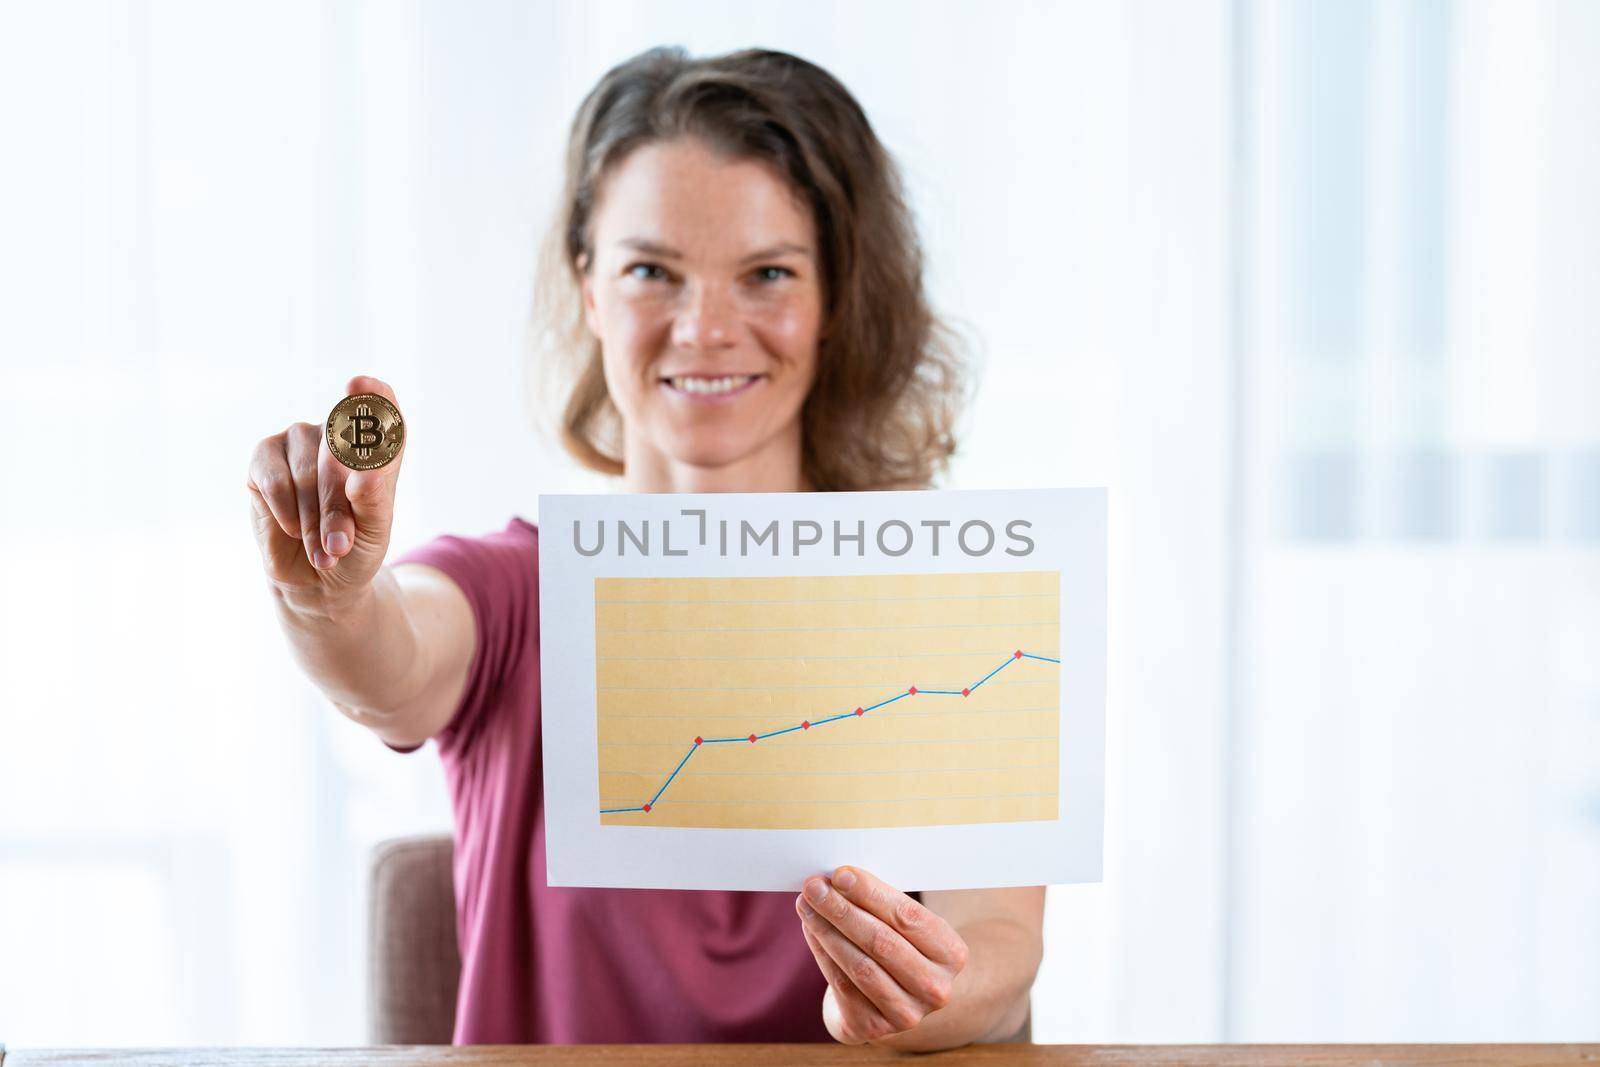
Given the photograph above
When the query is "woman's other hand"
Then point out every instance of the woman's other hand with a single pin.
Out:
(889, 960)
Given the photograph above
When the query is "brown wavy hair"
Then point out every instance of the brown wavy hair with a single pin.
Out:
(892, 377)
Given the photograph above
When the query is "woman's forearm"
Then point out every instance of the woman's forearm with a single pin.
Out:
(363, 654)
(989, 999)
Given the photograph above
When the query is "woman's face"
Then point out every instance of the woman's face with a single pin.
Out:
(705, 297)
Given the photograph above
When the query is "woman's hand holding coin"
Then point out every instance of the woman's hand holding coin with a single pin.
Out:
(322, 497)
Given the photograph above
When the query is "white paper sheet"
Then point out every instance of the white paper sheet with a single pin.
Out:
(675, 627)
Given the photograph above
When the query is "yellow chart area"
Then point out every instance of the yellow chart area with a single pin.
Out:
(885, 700)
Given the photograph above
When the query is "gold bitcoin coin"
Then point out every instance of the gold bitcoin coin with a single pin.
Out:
(365, 431)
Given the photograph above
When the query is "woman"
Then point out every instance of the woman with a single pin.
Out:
(736, 285)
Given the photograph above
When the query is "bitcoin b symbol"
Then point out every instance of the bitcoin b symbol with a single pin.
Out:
(365, 431)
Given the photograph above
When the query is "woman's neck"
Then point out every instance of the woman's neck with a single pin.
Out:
(774, 469)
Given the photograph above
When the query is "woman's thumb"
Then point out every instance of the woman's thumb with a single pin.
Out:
(371, 495)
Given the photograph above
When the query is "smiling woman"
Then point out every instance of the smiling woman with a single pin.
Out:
(735, 287)
(734, 281)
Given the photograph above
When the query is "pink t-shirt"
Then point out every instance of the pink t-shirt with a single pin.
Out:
(573, 966)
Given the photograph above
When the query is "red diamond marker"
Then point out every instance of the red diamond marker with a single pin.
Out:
(1018, 654)
(806, 725)
(699, 740)
(913, 690)
(860, 712)
(752, 739)
(966, 692)
(647, 807)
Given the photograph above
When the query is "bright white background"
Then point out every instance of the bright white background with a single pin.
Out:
(1311, 286)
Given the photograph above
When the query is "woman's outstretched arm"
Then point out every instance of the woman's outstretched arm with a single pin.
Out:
(953, 970)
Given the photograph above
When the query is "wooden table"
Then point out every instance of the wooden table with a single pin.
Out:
(786, 1055)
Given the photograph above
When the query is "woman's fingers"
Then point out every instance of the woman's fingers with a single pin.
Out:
(338, 525)
(275, 517)
(825, 964)
(269, 480)
(858, 1020)
(898, 1008)
(928, 981)
(928, 932)
(302, 444)
(882, 946)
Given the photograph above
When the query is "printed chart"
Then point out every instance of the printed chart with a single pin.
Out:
(828, 702)
(739, 689)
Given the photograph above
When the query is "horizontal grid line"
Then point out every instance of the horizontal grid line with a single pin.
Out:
(829, 629)
(852, 599)
(844, 744)
(847, 774)
(895, 800)
(778, 685)
(984, 652)
(786, 715)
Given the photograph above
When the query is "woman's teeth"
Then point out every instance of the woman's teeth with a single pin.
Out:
(711, 385)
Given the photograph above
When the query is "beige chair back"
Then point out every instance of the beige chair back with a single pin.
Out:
(413, 960)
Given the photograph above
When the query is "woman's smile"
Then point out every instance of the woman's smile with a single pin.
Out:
(711, 389)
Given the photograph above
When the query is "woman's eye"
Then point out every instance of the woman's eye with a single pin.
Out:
(772, 274)
(646, 271)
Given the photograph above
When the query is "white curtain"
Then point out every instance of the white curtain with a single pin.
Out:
(1306, 284)
(1415, 769)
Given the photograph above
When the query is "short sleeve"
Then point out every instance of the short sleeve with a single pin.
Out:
(498, 573)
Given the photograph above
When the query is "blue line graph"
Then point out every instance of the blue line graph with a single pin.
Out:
(807, 724)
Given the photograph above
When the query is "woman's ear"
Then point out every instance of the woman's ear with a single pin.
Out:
(591, 316)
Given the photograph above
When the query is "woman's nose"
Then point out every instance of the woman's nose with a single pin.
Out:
(706, 319)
